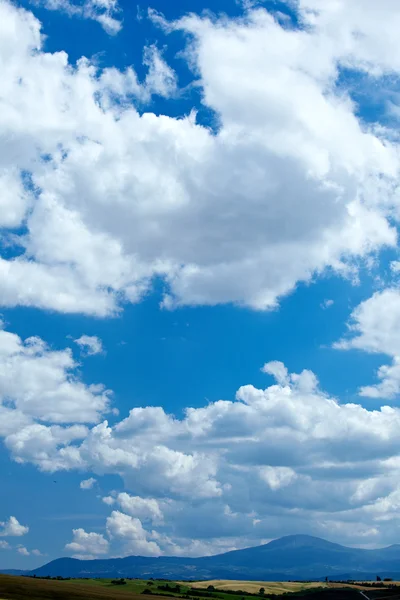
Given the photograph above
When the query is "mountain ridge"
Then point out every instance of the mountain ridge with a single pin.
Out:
(290, 557)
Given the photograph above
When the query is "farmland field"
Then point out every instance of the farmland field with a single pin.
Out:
(21, 588)
(253, 587)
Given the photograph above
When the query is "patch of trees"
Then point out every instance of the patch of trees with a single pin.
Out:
(48, 577)
(170, 588)
(118, 582)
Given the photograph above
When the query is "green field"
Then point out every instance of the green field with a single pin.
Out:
(22, 588)
(76, 589)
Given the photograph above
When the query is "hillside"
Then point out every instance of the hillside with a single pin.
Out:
(292, 557)
(21, 588)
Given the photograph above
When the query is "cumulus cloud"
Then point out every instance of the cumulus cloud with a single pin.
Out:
(109, 500)
(228, 470)
(131, 531)
(87, 484)
(374, 327)
(87, 545)
(145, 509)
(22, 550)
(4, 545)
(277, 477)
(124, 197)
(90, 344)
(12, 528)
(363, 34)
(374, 324)
(37, 382)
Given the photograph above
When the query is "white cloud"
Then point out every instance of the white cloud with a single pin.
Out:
(12, 528)
(363, 33)
(389, 386)
(374, 327)
(374, 324)
(109, 500)
(327, 304)
(285, 457)
(48, 446)
(14, 199)
(40, 383)
(4, 545)
(130, 529)
(142, 508)
(36, 552)
(277, 477)
(87, 484)
(277, 370)
(160, 79)
(149, 183)
(22, 550)
(87, 544)
(90, 344)
(105, 12)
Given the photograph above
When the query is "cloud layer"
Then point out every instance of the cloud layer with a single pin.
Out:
(212, 213)
(287, 451)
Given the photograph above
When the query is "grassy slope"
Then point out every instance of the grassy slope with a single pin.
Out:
(23, 588)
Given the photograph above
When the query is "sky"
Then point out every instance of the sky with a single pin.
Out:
(199, 276)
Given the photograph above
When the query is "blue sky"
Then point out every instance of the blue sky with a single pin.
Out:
(199, 277)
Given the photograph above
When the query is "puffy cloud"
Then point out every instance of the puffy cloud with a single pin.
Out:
(12, 528)
(90, 344)
(4, 545)
(85, 545)
(228, 470)
(130, 529)
(374, 327)
(389, 386)
(151, 468)
(87, 484)
(374, 324)
(49, 447)
(109, 500)
(363, 34)
(142, 508)
(22, 550)
(277, 370)
(14, 199)
(277, 477)
(147, 184)
(37, 382)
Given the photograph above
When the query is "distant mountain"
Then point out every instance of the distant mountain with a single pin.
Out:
(12, 572)
(292, 557)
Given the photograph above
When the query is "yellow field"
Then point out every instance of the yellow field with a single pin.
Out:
(271, 587)
(277, 587)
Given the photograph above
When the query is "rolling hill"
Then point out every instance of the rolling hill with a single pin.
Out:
(297, 557)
